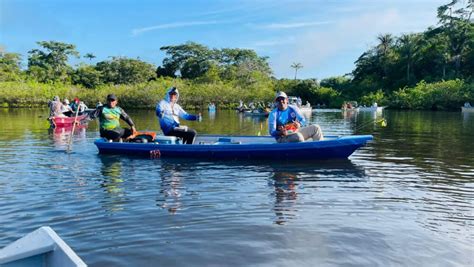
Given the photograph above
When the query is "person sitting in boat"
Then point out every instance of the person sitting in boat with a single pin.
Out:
(77, 104)
(55, 107)
(286, 122)
(467, 105)
(109, 120)
(299, 102)
(169, 112)
(66, 109)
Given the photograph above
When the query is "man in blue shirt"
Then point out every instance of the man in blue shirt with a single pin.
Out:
(286, 123)
(169, 112)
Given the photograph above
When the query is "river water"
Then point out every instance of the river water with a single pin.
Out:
(406, 199)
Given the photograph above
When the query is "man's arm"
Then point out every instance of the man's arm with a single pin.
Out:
(124, 116)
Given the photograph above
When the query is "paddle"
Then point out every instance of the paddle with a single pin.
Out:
(72, 132)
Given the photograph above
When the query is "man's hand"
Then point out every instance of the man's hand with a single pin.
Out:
(282, 131)
(134, 130)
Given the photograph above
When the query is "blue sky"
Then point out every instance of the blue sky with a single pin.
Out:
(325, 36)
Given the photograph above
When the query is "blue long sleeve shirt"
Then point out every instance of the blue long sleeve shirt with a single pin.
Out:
(282, 117)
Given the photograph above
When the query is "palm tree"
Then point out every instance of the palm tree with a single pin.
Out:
(385, 43)
(90, 56)
(384, 47)
(408, 50)
(296, 66)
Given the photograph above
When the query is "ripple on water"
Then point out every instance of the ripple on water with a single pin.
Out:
(401, 200)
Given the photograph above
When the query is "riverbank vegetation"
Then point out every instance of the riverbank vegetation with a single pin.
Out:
(428, 70)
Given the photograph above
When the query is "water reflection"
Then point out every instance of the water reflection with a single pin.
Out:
(170, 188)
(468, 120)
(61, 135)
(285, 196)
(292, 179)
(211, 115)
(112, 182)
(410, 188)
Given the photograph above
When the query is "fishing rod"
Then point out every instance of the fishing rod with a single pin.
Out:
(382, 122)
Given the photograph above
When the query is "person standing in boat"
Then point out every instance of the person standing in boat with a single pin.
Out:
(286, 123)
(169, 112)
(55, 107)
(109, 120)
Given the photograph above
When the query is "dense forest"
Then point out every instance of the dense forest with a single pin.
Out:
(428, 70)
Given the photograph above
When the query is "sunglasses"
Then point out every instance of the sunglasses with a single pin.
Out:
(279, 99)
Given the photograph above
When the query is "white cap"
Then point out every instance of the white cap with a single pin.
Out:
(280, 94)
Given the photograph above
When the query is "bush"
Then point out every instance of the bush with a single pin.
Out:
(444, 95)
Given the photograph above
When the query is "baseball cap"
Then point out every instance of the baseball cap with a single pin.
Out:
(111, 97)
(280, 94)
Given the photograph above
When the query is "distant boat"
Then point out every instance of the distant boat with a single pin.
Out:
(371, 109)
(40, 248)
(257, 112)
(467, 109)
(59, 121)
(305, 109)
(239, 147)
(211, 107)
(350, 109)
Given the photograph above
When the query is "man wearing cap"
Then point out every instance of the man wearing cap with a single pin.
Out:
(169, 112)
(285, 123)
(109, 120)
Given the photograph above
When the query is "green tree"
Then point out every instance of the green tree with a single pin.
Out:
(10, 66)
(384, 49)
(190, 59)
(87, 76)
(89, 56)
(456, 21)
(193, 60)
(296, 66)
(122, 70)
(407, 46)
(51, 61)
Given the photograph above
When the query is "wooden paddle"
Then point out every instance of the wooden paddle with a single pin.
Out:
(72, 132)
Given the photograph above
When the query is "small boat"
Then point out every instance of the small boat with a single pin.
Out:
(257, 112)
(350, 109)
(42, 247)
(371, 109)
(239, 147)
(59, 121)
(467, 109)
(211, 108)
(305, 109)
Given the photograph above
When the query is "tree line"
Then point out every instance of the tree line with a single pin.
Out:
(414, 70)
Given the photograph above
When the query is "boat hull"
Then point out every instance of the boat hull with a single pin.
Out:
(57, 122)
(464, 109)
(267, 148)
(43, 247)
(371, 109)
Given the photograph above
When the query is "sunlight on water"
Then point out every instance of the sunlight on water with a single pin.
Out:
(405, 199)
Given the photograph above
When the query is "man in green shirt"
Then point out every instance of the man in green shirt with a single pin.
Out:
(109, 120)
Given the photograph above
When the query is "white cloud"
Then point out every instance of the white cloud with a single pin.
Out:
(139, 31)
(351, 35)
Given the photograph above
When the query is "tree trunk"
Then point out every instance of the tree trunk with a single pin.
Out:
(408, 73)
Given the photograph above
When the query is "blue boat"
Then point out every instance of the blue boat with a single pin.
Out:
(238, 147)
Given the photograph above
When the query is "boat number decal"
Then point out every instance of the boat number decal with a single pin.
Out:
(154, 154)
